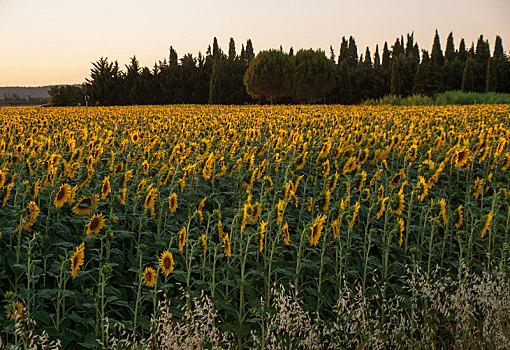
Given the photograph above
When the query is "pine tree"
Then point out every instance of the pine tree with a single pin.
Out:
(436, 55)
(449, 53)
(215, 85)
(232, 50)
(468, 79)
(377, 59)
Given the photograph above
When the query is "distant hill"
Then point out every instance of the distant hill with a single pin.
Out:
(27, 92)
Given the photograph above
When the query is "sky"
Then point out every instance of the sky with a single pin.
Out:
(55, 41)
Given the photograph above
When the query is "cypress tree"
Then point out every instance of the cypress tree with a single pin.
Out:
(216, 51)
(232, 50)
(397, 49)
(449, 53)
(462, 53)
(249, 51)
(215, 85)
(386, 58)
(344, 51)
(498, 47)
(291, 52)
(368, 58)
(173, 60)
(482, 52)
(377, 59)
(468, 78)
(436, 55)
(332, 54)
(353, 52)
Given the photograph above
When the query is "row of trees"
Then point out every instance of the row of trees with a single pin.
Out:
(307, 76)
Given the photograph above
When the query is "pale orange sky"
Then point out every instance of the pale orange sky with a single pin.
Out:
(55, 41)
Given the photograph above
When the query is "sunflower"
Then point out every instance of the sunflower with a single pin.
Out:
(95, 224)
(316, 229)
(335, 228)
(149, 276)
(325, 168)
(62, 195)
(381, 207)
(286, 235)
(255, 212)
(166, 262)
(182, 238)
(135, 137)
(396, 179)
(221, 233)
(262, 232)
(226, 245)
(401, 229)
(204, 242)
(461, 158)
(397, 203)
(487, 223)
(354, 214)
(84, 206)
(118, 168)
(442, 207)
(172, 202)
(460, 217)
(365, 194)
(424, 186)
(2, 178)
(150, 199)
(280, 209)
(33, 213)
(18, 312)
(349, 166)
(106, 189)
(77, 259)
(478, 187)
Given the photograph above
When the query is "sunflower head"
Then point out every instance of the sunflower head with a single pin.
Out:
(95, 224)
(77, 259)
(149, 276)
(172, 202)
(166, 263)
(106, 188)
(18, 310)
(84, 206)
(62, 195)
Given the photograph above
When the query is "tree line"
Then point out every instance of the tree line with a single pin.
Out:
(308, 76)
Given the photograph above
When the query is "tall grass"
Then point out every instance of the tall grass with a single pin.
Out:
(442, 99)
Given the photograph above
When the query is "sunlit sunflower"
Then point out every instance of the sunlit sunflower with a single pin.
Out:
(255, 212)
(262, 233)
(401, 228)
(461, 158)
(285, 233)
(84, 206)
(106, 188)
(316, 229)
(166, 262)
(354, 214)
(135, 137)
(62, 195)
(460, 217)
(478, 187)
(335, 227)
(2, 178)
(397, 203)
(203, 238)
(221, 233)
(172, 202)
(118, 168)
(487, 223)
(365, 194)
(349, 166)
(18, 312)
(149, 276)
(33, 213)
(150, 199)
(182, 238)
(280, 209)
(226, 245)
(309, 204)
(442, 208)
(381, 207)
(77, 259)
(95, 224)
(396, 179)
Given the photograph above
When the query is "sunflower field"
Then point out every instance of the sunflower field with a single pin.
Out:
(107, 211)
